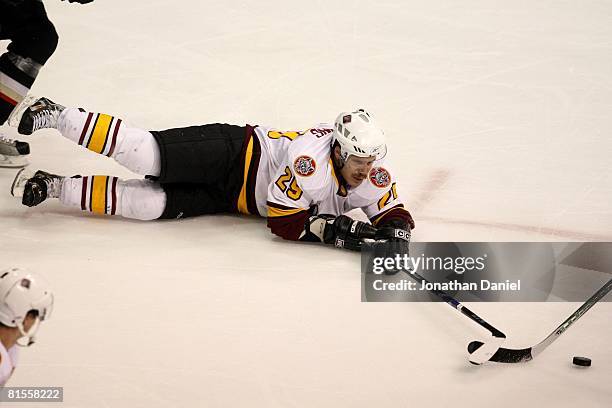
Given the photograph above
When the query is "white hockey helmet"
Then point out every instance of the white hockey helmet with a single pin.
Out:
(21, 292)
(357, 135)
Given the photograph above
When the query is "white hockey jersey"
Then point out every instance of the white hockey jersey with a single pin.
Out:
(291, 173)
(8, 361)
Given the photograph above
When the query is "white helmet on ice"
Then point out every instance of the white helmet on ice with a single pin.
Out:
(357, 135)
(21, 292)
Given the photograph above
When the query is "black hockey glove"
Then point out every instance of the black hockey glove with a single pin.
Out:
(341, 231)
(390, 233)
(80, 1)
(392, 239)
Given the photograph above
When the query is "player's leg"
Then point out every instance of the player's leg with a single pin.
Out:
(135, 199)
(195, 154)
(203, 167)
(185, 200)
(133, 148)
(209, 154)
(33, 41)
(13, 152)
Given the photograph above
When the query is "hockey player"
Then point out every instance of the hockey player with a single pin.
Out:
(25, 301)
(33, 41)
(302, 181)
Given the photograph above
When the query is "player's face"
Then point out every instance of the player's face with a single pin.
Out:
(28, 322)
(356, 169)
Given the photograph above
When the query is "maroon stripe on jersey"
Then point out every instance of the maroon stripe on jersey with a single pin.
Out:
(114, 142)
(279, 206)
(85, 128)
(289, 227)
(252, 176)
(84, 194)
(114, 196)
(250, 132)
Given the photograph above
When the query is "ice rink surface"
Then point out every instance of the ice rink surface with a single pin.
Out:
(498, 116)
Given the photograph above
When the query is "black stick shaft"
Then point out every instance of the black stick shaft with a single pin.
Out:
(458, 306)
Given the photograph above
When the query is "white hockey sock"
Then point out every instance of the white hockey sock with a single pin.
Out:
(133, 148)
(137, 199)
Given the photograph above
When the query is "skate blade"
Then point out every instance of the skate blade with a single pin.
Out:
(18, 111)
(13, 161)
(19, 183)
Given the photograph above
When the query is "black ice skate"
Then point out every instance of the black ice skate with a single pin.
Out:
(34, 189)
(13, 152)
(42, 114)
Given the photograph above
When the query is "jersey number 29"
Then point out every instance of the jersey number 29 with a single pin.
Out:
(288, 185)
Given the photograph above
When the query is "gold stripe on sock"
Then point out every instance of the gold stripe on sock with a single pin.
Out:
(100, 133)
(98, 194)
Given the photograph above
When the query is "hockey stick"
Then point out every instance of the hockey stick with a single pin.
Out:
(504, 355)
(480, 354)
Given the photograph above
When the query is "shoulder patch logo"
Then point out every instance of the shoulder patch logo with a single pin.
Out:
(380, 177)
(304, 166)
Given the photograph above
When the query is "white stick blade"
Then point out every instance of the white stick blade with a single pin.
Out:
(486, 351)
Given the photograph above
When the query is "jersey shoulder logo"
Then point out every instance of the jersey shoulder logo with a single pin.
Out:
(380, 177)
(304, 166)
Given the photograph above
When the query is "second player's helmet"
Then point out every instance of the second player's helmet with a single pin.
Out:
(358, 135)
(21, 292)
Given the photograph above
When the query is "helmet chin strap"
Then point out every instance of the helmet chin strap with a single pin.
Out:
(27, 338)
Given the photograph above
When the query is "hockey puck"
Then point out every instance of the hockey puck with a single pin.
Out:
(582, 361)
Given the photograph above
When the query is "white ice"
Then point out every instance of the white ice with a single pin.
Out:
(499, 119)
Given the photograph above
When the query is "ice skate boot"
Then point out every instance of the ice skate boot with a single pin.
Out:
(34, 189)
(13, 152)
(42, 114)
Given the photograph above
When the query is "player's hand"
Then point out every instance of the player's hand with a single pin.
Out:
(392, 240)
(391, 233)
(80, 1)
(341, 231)
(348, 233)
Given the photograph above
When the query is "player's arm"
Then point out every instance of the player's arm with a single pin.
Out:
(396, 216)
(385, 209)
(291, 209)
(288, 206)
(298, 224)
(392, 221)
(341, 231)
(285, 221)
